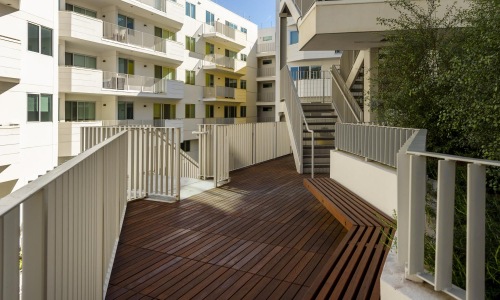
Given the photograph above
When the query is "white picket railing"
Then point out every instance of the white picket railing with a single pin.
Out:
(154, 165)
(295, 119)
(221, 60)
(376, 143)
(313, 86)
(128, 82)
(266, 71)
(233, 34)
(71, 220)
(266, 47)
(242, 145)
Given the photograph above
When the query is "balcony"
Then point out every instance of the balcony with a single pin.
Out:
(266, 73)
(10, 59)
(223, 64)
(69, 136)
(98, 82)
(168, 12)
(15, 4)
(267, 96)
(222, 93)
(103, 35)
(9, 144)
(266, 49)
(225, 35)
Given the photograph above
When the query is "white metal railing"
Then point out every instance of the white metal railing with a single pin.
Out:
(161, 5)
(266, 96)
(226, 31)
(295, 119)
(266, 71)
(127, 82)
(134, 37)
(221, 60)
(154, 158)
(344, 103)
(313, 86)
(219, 92)
(376, 143)
(229, 121)
(266, 47)
(247, 144)
(71, 220)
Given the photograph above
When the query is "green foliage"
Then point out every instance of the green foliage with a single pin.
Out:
(441, 71)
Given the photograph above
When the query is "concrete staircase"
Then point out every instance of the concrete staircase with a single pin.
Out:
(321, 119)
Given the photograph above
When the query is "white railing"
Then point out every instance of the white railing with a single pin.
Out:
(153, 162)
(344, 103)
(127, 82)
(247, 144)
(373, 142)
(71, 221)
(226, 31)
(266, 96)
(221, 60)
(219, 92)
(313, 86)
(161, 5)
(134, 37)
(266, 71)
(266, 47)
(295, 119)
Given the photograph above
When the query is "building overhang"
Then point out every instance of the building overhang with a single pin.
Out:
(15, 4)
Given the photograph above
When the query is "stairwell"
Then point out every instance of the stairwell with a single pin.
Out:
(321, 118)
(357, 87)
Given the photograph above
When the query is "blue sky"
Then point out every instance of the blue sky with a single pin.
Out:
(260, 12)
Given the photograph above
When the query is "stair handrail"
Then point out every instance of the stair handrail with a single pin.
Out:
(356, 114)
(292, 103)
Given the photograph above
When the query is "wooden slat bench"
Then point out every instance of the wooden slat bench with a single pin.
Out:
(353, 271)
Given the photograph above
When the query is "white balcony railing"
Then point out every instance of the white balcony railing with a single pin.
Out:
(9, 144)
(266, 71)
(219, 92)
(71, 221)
(226, 31)
(10, 59)
(266, 96)
(127, 82)
(220, 60)
(266, 47)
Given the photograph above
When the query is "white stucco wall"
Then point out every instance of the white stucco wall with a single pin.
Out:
(371, 181)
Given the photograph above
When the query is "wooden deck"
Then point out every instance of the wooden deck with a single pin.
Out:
(262, 236)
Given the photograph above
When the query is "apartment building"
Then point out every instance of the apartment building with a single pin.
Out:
(28, 91)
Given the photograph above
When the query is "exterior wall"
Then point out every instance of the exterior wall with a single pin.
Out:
(38, 74)
(373, 182)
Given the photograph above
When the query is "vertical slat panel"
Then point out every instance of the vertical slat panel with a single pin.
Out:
(476, 233)
(417, 215)
(9, 254)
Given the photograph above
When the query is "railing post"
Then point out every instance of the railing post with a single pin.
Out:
(216, 160)
(444, 226)
(476, 202)
(9, 255)
(178, 162)
(417, 215)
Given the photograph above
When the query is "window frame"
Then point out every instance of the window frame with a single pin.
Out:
(294, 37)
(243, 84)
(93, 13)
(190, 43)
(77, 104)
(191, 10)
(128, 105)
(190, 111)
(243, 111)
(209, 18)
(190, 77)
(267, 38)
(85, 57)
(38, 105)
(40, 39)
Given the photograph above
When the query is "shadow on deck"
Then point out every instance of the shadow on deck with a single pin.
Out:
(263, 235)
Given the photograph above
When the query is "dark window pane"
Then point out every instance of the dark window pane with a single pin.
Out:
(78, 60)
(46, 41)
(68, 59)
(33, 109)
(33, 38)
(46, 108)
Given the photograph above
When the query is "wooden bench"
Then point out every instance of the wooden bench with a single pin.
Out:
(353, 271)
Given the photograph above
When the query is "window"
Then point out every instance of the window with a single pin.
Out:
(210, 18)
(190, 10)
(243, 57)
(165, 34)
(186, 146)
(242, 29)
(39, 108)
(231, 54)
(243, 84)
(267, 85)
(209, 80)
(126, 66)
(164, 111)
(267, 62)
(229, 111)
(294, 37)
(81, 10)
(39, 39)
(304, 72)
(164, 72)
(190, 43)
(230, 82)
(295, 72)
(190, 111)
(125, 21)
(79, 60)
(190, 77)
(209, 48)
(79, 111)
(267, 108)
(209, 111)
(243, 111)
(267, 38)
(125, 110)
(315, 72)
(231, 25)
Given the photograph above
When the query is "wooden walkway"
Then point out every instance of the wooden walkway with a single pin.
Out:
(262, 236)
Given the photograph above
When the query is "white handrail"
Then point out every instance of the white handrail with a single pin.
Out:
(128, 82)
(344, 103)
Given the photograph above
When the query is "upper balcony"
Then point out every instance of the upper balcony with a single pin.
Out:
(225, 94)
(15, 4)
(9, 144)
(266, 49)
(103, 35)
(10, 59)
(266, 73)
(223, 64)
(225, 35)
(98, 82)
(167, 12)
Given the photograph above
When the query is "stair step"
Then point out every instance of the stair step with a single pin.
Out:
(319, 147)
(320, 130)
(329, 109)
(316, 156)
(316, 138)
(308, 165)
(321, 123)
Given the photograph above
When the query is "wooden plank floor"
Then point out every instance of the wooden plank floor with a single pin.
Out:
(262, 236)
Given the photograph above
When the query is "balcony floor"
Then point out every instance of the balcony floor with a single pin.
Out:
(263, 235)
